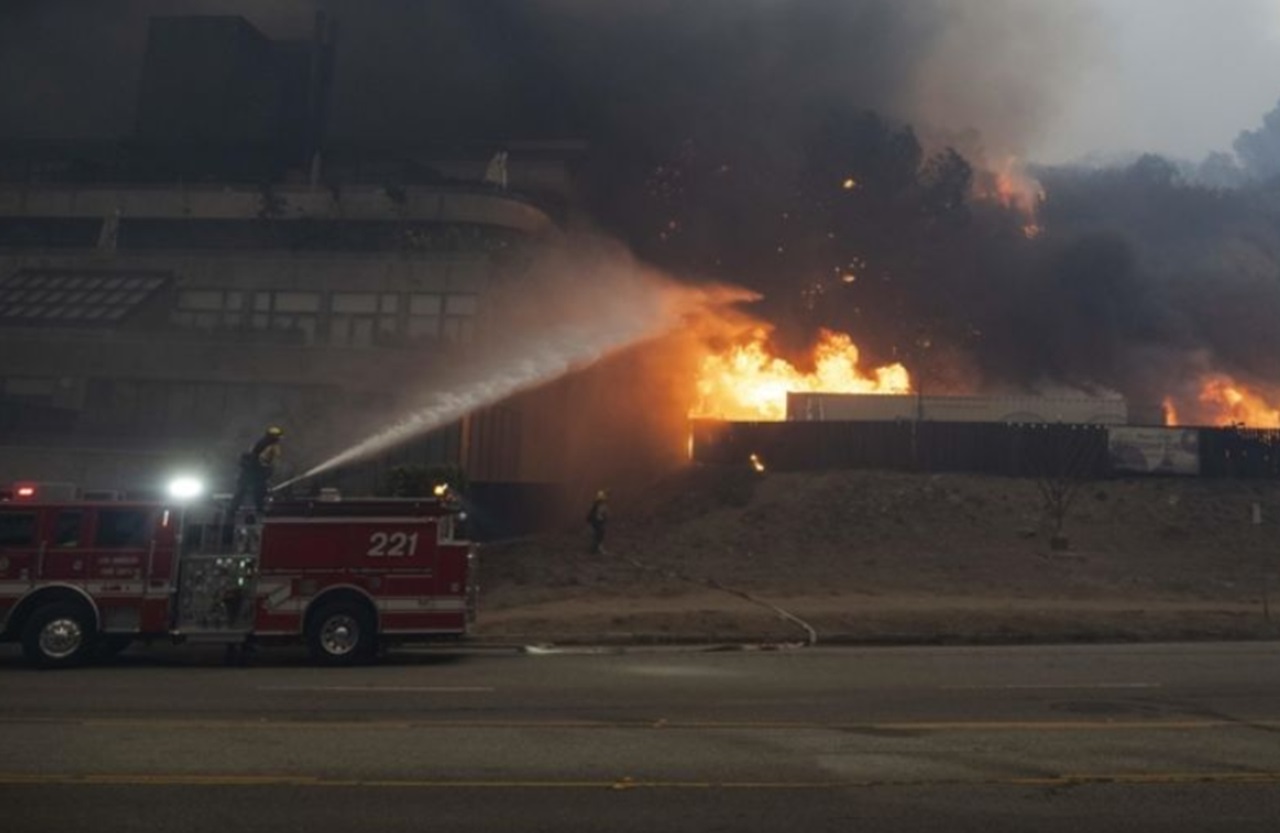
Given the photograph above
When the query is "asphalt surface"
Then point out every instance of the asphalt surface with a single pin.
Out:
(1150, 737)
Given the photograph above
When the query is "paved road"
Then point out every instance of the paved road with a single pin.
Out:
(1168, 738)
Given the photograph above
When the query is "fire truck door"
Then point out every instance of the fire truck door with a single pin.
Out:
(121, 559)
(20, 548)
(63, 543)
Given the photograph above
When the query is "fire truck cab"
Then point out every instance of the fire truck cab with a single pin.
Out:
(79, 577)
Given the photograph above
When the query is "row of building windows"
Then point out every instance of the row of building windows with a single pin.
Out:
(126, 407)
(354, 319)
(90, 297)
(159, 408)
(134, 234)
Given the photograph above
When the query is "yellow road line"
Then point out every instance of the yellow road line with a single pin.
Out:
(626, 783)
(360, 689)
(221, 724)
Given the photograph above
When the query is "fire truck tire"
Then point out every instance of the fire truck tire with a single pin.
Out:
(59, 635)
(343, 633)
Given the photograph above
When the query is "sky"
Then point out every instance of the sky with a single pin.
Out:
(1177, 77)
(1099, 78)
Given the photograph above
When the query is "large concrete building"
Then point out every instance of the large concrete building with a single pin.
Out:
(160, 303)
(167, 324)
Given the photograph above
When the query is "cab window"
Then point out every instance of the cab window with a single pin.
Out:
(120, 528)
(17, 529)
(66, 529)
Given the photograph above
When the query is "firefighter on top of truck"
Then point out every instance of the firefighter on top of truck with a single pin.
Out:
(257, 465)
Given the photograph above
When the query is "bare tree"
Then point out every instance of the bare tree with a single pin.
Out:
(1063, 459)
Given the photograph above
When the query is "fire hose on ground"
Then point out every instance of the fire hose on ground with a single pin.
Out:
(811, 635)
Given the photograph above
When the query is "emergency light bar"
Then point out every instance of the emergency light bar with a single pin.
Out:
(31, 491)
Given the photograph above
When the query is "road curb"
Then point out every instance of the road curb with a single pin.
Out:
(549, 642)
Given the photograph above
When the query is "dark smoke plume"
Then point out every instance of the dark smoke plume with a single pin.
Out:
(1164, 281)
(834, 155)
(654, 70)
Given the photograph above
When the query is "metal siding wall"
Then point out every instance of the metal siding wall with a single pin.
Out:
(505, 510)
(493, 444)
(904, 446)
(1018, 450)
(1234, 452)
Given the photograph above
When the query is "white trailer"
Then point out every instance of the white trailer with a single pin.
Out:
(866, 407)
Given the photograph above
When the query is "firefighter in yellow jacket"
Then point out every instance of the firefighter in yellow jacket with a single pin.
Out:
(257, 465)
(597, 519)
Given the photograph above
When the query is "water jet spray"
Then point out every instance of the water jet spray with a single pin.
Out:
(589, 326)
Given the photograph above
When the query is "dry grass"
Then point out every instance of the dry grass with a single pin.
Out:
(884, 556)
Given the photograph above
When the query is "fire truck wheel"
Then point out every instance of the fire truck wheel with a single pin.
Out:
(341, 634)
(59, 635)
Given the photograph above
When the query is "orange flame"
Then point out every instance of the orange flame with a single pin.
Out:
(1015, 188)
(1012, 187)
(1221, 400)
(746, 382)
(1227, 402)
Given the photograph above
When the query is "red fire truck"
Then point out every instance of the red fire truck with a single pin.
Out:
(79, 577)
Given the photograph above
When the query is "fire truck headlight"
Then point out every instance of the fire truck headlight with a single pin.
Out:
(185, 488)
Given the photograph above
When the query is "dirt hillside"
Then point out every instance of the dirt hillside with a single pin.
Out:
(875, 556)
